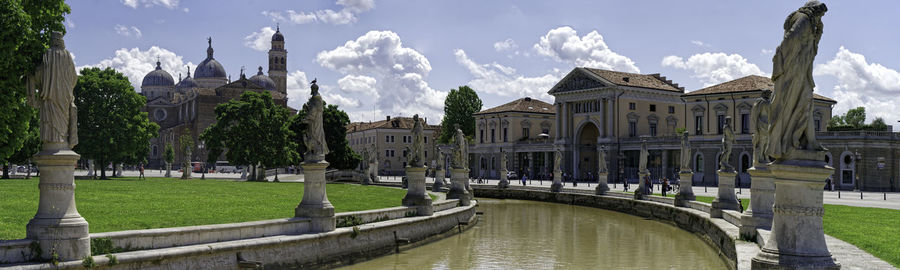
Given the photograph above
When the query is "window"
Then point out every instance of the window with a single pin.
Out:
(653, 129)
(392, 138)
(632, 129)
(721, 124)
(698, 125)
(481, 132)
(652, 107)
(387, 153)
(745, 123)
(426, 153)
(426, 138)
(698, 164)
(672, 109)
(631, 106)
(545, 131)
(155, 151)
(505, 135)
(817, 122)
(525, 132)
(492, 135)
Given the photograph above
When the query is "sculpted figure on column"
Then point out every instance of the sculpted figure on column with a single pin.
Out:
(642, 166)
(760, 113)
(558, 163)
(727, 143)
(314, 139)
(460, 154)
(54, 79)
(601, 158)
(791, 121)
(418, 146)
(503, 161)
(685, 153)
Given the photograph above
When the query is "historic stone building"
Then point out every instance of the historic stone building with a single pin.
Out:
(391, 138)
(523, 130)
(188, 106)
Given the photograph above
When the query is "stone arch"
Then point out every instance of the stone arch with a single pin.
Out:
(745, 162)
(586, 148)
(699, 163)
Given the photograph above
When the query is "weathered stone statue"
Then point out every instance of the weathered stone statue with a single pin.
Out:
(314, 139)
(416, 155)
(460, 153)
(641, 191)
(642, 166)
(57, 227)
(602, 172)
(797, 239)
(727, 143)
(459, 173)
(685, 153)
(557, 164)
(760, 113)
(504, 179)
(791, 123)
(557, 171)
(601, 159)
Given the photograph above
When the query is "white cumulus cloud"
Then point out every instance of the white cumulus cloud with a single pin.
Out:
(261, 40)
(377, 61)
(563, 44)
(136, 63)
(170, 4)
(506, 45)
(501, 80)
(714, 68)
(346, 15)
(128, 31)
(860, 83)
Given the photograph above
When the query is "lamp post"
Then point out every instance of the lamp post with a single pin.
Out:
(856, 182)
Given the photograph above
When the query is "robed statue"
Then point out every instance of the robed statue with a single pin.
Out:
(760, 112)
(601, 159)
(791, 126)
(727, 144)
(642, 166)
(558, 163)
(54, 79)
(460, 153)
(314, 139)
(685, 153)
(417, 158)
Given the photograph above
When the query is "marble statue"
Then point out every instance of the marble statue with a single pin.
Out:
(727, 143)
(760, 113)
(314, 139)
(54, 79)
(503, 161)
(791, 123)
(558, 162)
(601, 158)
(417, 158)
(460, 154)
(685, 153)
(643, 158)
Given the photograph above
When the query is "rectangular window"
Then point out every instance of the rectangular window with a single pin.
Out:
(426, 139)
(392, 138)
(492, 135)
(632, 129)
(387, 138)
(745, 123)
(387, 153)
(721, 124)
(652, 107)
(426, 153)
(505, 135)
(525, 132)
(698, 125)
(653, 129)
(632, 106)
(671, 109)
(817, 123)
(481, 135)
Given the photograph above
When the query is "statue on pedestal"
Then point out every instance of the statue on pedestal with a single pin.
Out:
(642, 166)
(314, 139)
(558, 163)
(416, 155)
(791, 122)
(760, 112)
(460, 153)
(727, 143)
(685, 153)
(54, 79)
(601, 158)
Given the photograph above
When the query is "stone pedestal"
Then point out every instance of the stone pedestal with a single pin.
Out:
(458, 179)
(797, 240)
(557, 181)
(725, 199)
(169, 171)
(438, 180)
(57, 226)
(602, 186)
(366, 180)
(762, 197)
(504, 180)
(315, 204)
(685, 190)
(641, 192)
(90, 167)
(415, 194)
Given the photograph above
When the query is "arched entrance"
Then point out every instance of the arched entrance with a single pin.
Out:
(586, 151)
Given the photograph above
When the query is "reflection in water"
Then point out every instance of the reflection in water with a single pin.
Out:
(515, 234)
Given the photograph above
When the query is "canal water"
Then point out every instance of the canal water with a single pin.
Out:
(514, 234)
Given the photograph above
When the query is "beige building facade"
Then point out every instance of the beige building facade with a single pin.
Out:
(389, 141)
(521, 129)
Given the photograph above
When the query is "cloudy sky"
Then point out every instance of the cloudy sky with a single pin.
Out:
(380, 57)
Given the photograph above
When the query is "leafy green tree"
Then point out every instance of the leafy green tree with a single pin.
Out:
(878, 124)
(169, 157)
(458, 109)
(30, 147)
(334, 122)
(25, 28)
(855, 117)
(111, 126)
(187, 144)
(252, 129)
(836, 121)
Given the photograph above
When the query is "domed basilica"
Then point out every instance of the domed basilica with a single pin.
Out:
(188, 105)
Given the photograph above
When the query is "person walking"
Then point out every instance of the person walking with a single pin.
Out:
(665, 186)
(141, 168)
(524, 179)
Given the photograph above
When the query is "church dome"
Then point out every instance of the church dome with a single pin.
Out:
(277, 36)
(209, 68)
(158, 77)
(187, 83)
(263, 80)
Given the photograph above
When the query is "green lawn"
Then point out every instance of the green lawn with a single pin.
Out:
(129, 204)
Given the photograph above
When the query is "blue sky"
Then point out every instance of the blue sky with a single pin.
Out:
(378, 57)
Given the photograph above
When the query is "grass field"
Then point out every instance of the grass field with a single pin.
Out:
(129, 204)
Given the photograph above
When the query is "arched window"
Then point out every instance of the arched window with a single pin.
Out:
(698, 163)
(282, 60)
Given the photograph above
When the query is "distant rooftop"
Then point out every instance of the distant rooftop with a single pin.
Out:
(654, 81)
(746, 84)
(389, 123)
(526, 104)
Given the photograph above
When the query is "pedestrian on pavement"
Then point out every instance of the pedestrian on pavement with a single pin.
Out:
(524, 178)
(665, 186)
(141, 176)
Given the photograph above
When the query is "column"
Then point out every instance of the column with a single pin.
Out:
(315, 204)
(565, 133)
(530, 169)
(559, 117)
(602, 110)
(609, 117)
(762, 197)
(57, 226)
(546, 165)
(415, 193)
(725, 199)
(458, 179)
(665, 164)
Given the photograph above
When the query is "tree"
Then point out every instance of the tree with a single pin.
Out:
(169, 157)
(111, 126)
(252, 129)
(855, 117)
(30, 147)
(458, 109)
(334, 122)
(25, 28)
(187, 144)
(878, 124)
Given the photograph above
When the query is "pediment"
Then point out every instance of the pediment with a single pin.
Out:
(744, 106)
(577, 79)
(698, 109)
(720, 107)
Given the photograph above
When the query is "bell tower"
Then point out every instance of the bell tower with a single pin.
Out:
(278, 62)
